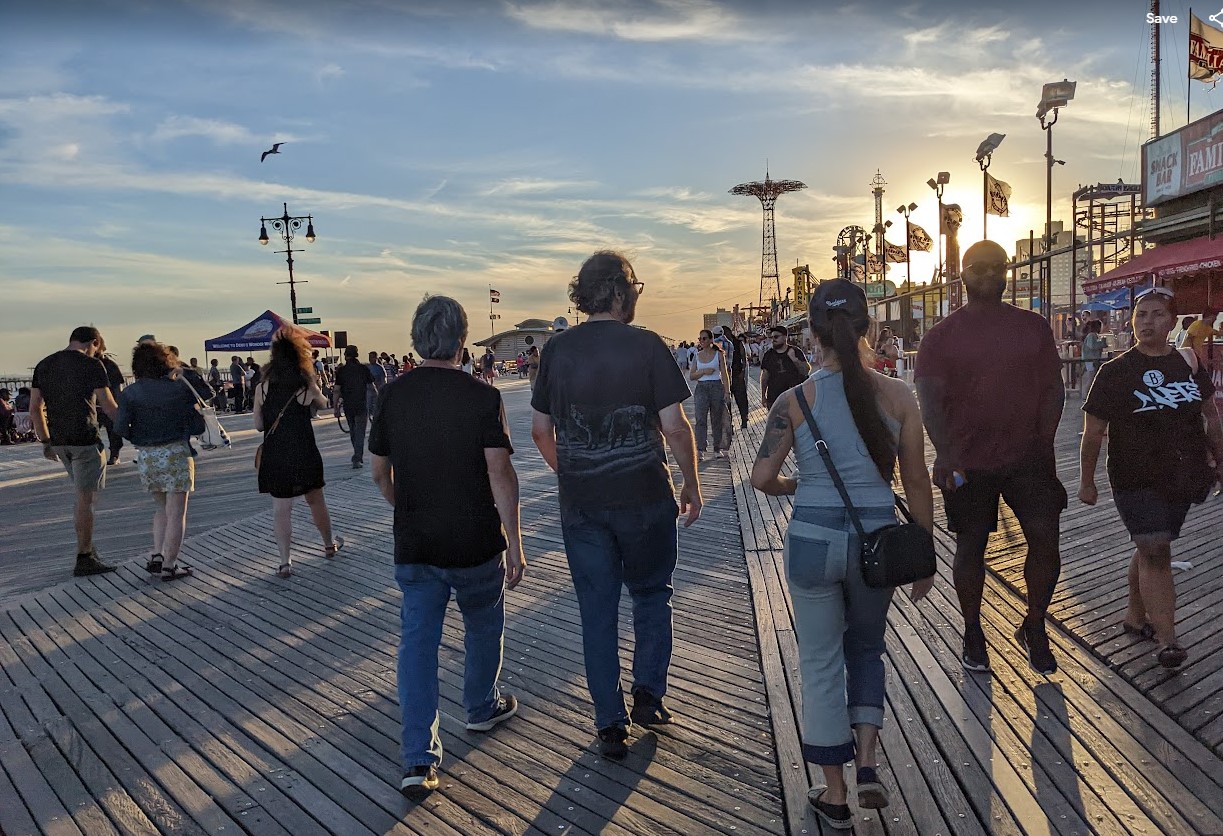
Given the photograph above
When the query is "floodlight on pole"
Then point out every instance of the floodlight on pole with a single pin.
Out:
(1053, 96)
(985, 155)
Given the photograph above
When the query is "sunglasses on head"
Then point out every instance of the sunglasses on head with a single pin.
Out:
(1160, 291)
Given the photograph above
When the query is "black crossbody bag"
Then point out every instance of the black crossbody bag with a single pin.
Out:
(894, 555)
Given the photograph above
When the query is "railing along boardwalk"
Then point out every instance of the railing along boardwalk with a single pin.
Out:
(235, 702)
(1083, 751)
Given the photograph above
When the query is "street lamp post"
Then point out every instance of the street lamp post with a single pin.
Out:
(286, 225)
(1053, 97)
(939, 184)
(906, 211)
(985, 155)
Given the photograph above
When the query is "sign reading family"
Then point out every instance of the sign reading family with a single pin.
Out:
(1184, 161)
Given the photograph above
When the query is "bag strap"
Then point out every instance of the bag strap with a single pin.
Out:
(196, 395)
(276, 423)
(822, 447)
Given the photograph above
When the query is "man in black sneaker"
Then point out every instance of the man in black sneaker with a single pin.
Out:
(989, 382)
(68, 389)
(353, 381)
(606, 397)
(441, 452)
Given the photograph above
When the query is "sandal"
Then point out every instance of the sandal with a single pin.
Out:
(1146, 632)
(330, 551)
(173, 573)
(836, 816)
(1172, 656)
(153, 567)
(285, 570)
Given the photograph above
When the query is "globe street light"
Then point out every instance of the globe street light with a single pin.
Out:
(1053, 97)
(985, 155)
(286, 225)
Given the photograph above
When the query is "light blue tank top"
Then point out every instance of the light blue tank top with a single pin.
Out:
(862, 480)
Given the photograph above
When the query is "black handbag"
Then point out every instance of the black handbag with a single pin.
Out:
(894, 555)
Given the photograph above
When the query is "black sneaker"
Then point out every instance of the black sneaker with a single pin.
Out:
(507, 707)
(419, 780)
(648, 709)
(1035, 642)
(872, 794)
(976, 655)
(613, 742)
(89, 564)
(836, 816)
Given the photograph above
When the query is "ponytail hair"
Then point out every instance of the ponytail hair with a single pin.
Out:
(861, 391)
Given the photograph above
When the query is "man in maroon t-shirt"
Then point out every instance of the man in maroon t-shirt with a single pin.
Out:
(989, 382)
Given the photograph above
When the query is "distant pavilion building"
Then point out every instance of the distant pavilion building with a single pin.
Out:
(520, 338)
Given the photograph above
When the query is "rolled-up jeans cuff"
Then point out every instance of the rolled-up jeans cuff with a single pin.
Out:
(829, 755)
(866, 715)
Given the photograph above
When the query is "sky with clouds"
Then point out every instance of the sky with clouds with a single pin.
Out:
(450, 146)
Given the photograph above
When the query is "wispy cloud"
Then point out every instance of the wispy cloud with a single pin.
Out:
(663, 20)
(217, 130)
(534, 185)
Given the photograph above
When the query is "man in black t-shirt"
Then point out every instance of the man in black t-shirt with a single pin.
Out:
(71, 386)
(442, 452)
(606, 396)
(353, 381)
(738, 375)
(237, 379)
(782, 367)
(114, 377)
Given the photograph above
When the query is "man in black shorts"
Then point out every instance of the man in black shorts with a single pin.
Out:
(989, 382)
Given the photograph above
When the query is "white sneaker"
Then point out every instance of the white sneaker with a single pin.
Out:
(703, 456)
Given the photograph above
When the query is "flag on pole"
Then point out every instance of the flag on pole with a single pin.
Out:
(953, 216)
(875, 265)
(494, 295)
(857, 271)
(1205, 50)
(999, 196)
(919, 239)
(893, 252)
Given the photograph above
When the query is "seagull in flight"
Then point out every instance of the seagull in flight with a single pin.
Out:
(275, 149)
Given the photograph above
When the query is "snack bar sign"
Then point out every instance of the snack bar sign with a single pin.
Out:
(1183, 162)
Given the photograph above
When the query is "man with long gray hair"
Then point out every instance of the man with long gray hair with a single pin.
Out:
(441, 456)
(606, 396)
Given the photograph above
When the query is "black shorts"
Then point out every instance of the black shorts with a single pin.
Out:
(1145, 511)
(1033, 492)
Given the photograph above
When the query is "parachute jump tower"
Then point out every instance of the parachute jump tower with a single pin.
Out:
(767, 193)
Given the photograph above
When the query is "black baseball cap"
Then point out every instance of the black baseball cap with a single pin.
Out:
(779, 329)
(835, 295)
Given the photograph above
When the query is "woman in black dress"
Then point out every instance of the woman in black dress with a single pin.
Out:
(291, 465)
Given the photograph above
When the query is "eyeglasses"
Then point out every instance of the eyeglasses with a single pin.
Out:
(638, 286)
(1162, 291)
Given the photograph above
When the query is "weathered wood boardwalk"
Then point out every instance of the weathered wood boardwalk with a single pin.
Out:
(235, 702)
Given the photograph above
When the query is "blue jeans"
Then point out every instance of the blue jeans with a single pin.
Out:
(635, 546)
(357, 423)
(839, 623)
(480, 593)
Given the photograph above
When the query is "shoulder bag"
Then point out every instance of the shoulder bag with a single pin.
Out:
(894, 555)
(272, 429)
(207, 426)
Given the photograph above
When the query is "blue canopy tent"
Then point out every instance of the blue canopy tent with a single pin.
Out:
(257, 334)
(1113, 300)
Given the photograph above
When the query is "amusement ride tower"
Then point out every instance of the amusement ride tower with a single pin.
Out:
(767, 193)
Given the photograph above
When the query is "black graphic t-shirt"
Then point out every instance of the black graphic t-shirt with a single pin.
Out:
(67, 381)
(1153, 406)
(784, 371)
(604, 384)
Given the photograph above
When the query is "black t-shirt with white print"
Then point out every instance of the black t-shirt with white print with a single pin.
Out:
(1153, 406)
(604, 383)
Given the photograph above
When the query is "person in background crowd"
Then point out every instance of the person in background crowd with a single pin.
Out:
(533, 365)
(8, 421)
(378, 373)
(869, 424)
(1151, 402)
(886, 352)
(782, 367)
(219, 400)
(237, 382)
(71, 386)
(465, 362)
(291, 466)
(488, 365)
(114, 380)
(22, 402)
(409, 362)
(711, 394)
(353, 382)
(1200, 333)
(1092, 353)
(738, 375)
(253, 374)
(1184, 334)
(320, 369)
(192, 375)
(158, 414)
(441, 449)
(607, 396)
(989, 380)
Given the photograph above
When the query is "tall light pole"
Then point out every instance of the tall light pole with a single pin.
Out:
(906, 211)
(939, 183)
(985, 155)
(286, 225)
(1053, 97)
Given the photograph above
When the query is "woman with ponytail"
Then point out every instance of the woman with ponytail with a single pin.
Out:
(872, 429)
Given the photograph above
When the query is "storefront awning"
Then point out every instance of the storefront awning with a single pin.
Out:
(1166, 261)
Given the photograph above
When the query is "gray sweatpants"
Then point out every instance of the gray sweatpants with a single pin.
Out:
(709, 401)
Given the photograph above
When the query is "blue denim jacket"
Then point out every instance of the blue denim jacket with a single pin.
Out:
(157, 411)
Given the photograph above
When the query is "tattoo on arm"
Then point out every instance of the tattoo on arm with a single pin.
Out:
(776, 428)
